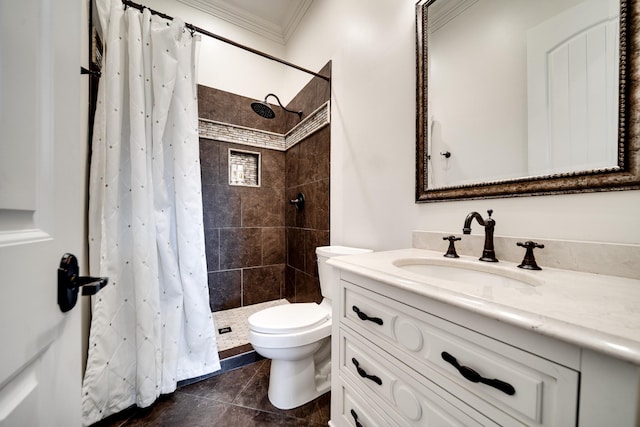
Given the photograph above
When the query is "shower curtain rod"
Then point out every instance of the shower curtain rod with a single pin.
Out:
(225, 40)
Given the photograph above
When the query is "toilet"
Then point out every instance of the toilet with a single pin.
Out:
(297, 339)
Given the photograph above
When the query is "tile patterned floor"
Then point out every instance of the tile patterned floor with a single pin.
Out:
(236, 398)
(236, 318)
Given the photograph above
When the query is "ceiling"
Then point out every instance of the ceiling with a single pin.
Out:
(273, 19)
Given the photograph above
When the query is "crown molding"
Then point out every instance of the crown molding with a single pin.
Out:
(277, 32)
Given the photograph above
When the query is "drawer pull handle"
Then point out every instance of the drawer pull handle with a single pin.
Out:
(363, 316)
(355, 418)
(364, 374)
(475, 377)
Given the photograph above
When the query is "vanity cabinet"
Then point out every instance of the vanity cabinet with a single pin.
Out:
(404, 359)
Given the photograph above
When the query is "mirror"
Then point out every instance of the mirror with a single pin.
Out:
(523, 97)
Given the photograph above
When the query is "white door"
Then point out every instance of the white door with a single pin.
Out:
(42, 200)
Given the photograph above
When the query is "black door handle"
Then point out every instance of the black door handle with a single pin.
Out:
(475, 377)
(69, 282)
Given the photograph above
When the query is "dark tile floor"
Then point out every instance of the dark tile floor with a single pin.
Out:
(234, 398)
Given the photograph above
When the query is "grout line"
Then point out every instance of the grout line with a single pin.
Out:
(276, 411)
(219, 253)
(241, 282)
(248, 382)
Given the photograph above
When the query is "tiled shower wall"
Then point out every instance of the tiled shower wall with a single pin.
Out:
(307, 171)
(258, 247)
(244, 229)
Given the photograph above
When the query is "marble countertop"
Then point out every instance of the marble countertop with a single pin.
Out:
(589, 310)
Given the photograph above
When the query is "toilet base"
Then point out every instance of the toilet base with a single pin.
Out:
(293, 383)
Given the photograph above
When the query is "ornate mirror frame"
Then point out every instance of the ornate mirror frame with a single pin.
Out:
(624, 177)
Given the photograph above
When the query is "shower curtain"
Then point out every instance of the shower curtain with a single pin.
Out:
(151, 326)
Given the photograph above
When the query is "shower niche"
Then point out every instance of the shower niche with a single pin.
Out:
(244, 168)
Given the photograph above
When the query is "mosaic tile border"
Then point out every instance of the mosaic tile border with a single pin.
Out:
(227, 132)
(311, 124)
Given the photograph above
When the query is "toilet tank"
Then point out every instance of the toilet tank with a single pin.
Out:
(329, 276)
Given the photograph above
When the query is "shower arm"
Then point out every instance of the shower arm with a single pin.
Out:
(299, 113)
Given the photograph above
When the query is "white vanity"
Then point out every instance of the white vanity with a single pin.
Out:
(419, 340)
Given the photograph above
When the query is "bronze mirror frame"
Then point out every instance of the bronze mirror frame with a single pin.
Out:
(626, 176)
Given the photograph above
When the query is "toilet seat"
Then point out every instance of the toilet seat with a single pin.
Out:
(288, 318)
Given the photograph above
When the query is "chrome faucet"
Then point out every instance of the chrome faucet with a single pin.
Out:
(488, 254)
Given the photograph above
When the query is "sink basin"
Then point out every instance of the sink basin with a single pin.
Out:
(471, 272)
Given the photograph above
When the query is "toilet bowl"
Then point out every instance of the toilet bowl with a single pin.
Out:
(297, 339)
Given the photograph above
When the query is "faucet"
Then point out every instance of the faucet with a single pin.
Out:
(488, 254)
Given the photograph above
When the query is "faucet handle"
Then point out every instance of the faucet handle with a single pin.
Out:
(451, 252)
(529, 261)
(489, 211)
(529, 244)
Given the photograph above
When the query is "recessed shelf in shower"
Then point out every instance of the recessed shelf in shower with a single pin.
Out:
(244, 168)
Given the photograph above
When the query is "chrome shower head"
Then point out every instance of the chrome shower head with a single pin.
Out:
(263, 109)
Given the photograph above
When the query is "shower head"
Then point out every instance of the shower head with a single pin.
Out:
(263, 109)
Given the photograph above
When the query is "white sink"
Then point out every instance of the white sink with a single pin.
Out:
(472, 272)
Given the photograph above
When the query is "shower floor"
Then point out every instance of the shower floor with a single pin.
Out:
(236, 320)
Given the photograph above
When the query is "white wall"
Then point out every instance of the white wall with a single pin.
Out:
(229, 68)
(372, 46)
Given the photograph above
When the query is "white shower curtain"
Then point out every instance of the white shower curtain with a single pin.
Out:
(151, 326)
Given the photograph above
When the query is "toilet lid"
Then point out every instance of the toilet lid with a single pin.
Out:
(288, 318)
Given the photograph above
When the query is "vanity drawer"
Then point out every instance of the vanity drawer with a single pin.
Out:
(527, 387)
(391, 385)
(353, 407)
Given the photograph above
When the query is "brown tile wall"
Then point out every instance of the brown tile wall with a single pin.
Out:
(244, 229)
(258, 247)
(307, 171)
(244, 226)
(312, 96)
(226, 107)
